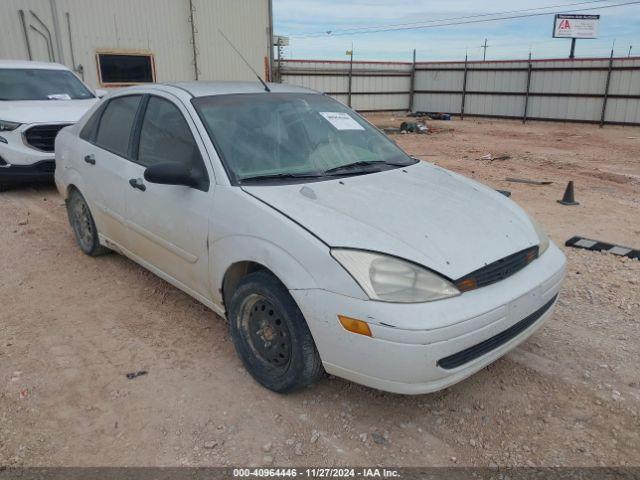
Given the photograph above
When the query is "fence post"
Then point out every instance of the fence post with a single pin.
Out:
(350, 76)
(606, 90)
(412, 85)
(526, 97)
(464, 88)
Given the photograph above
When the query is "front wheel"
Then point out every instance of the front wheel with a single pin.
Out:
(271, 336)
(83, 225)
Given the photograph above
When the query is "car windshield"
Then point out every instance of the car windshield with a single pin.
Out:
(41, 84)
(290, 135)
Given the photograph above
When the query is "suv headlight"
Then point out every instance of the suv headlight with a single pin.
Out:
(390, 279)
(542, 236)
(6, 126)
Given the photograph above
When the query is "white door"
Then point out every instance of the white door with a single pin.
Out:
(169, 224)
(105, 166)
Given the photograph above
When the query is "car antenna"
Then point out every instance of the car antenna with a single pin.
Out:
(266, 87)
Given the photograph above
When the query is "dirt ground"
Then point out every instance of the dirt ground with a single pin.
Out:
(71, 327)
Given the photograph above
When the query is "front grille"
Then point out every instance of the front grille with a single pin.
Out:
(42, 137)
(498, 270)
(471, 353)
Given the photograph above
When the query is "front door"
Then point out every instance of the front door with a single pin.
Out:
(169, 224)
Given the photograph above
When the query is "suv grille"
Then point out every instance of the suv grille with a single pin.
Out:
(471, 353)
(498, 270)
(42, 137)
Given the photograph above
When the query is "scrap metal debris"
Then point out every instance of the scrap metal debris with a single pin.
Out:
(431, 115)
(490, 157)
(139, 373)
(527, 181)
(598, 246)
(413, 127)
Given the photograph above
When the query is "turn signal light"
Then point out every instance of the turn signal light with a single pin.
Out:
(355, 326)
(467, 284)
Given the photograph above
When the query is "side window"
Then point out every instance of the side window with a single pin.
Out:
(90, 128)
(116, 124)
(166, 137)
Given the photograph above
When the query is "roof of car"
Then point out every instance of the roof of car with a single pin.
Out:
(204, 89)
(27, 64)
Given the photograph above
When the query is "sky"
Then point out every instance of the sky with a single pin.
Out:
(506, 39)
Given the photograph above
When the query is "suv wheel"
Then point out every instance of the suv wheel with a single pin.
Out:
(271, 336)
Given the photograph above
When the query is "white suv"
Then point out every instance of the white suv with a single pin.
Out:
(36, 101)
(321, 241)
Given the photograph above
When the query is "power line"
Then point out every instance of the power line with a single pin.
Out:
(358, 29)
(424, 24)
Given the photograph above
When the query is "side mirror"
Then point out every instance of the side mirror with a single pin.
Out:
(101, 92)
(170, 173)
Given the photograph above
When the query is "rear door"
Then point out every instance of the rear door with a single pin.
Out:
(106, 165)
(169, 224)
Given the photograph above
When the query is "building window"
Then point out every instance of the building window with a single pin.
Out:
(125, 68)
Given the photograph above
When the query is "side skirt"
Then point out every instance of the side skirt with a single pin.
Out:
(218, 309)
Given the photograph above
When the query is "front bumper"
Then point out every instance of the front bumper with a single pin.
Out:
(409, 340)
(21, 163)
(38, 172)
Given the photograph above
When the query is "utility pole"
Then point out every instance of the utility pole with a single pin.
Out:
(484, 54)
(572, 52)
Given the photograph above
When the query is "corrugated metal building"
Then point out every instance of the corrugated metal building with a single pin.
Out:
(113, 43)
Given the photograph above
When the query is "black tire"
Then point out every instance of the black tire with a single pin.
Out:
(83, 225)
(271, 336)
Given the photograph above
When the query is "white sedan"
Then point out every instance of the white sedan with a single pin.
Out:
(325, 246)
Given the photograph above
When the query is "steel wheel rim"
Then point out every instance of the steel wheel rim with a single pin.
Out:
(82, 224)
(266, 333)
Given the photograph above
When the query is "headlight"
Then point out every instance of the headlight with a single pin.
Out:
(391, 279)
(8, 126)
(542, 237)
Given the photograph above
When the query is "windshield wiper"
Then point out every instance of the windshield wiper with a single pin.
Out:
(278, 176)
(357, 166)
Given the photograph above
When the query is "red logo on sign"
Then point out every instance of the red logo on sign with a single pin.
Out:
(564, 25)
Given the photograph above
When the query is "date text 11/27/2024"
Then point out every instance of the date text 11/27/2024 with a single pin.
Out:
(316, 472)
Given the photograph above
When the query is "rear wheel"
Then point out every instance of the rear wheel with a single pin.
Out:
(271, 336)
(83, 225)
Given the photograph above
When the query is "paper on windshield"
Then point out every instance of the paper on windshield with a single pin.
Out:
(341, 121)
(59, 96)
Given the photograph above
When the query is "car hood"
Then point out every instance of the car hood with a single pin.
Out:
(423, 213)
(45, 111)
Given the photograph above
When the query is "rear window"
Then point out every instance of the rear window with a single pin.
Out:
(41, 84)
(116, 124)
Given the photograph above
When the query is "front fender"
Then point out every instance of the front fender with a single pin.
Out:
(242, 248)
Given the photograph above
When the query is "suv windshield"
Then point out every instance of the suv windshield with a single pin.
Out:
(39, 84)
(294, 136)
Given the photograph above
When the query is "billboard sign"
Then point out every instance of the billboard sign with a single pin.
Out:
(575, 26)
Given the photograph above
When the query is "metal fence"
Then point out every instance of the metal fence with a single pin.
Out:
(594, 90)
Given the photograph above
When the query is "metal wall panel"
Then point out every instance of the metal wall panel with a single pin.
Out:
(159, 27)
(245, 23)
(430, 102)
(12, 39)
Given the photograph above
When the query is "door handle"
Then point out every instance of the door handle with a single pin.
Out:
(137, 183)
(90, 159)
